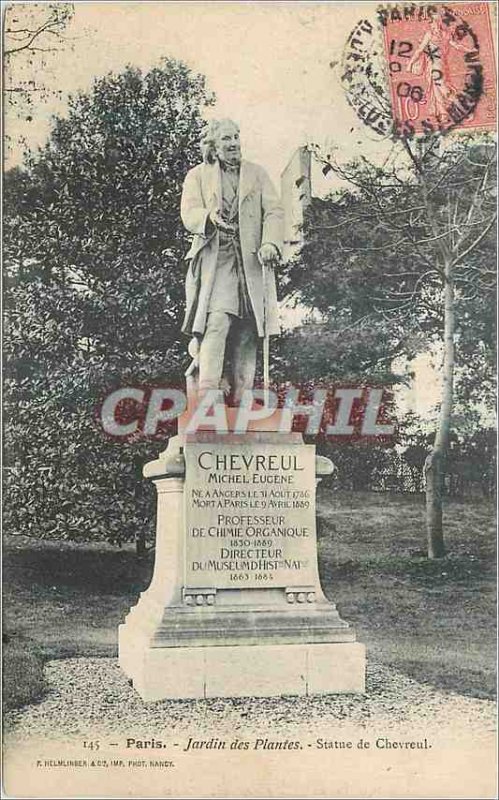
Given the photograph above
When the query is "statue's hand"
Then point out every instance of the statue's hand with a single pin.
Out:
(220, 223)
(269, 255)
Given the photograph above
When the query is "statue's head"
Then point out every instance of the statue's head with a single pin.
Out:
(220, 140)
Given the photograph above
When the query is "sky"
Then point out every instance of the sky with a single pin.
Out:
(268, 63)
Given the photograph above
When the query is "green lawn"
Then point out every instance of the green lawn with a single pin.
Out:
(433, 620)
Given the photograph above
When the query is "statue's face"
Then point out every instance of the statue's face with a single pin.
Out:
(228, 143)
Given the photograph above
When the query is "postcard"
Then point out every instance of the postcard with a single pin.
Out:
(249, 399)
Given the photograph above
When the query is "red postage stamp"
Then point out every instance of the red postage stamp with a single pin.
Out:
(441, 66)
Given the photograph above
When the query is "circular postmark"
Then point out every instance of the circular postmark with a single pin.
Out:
(363, 77)
(421, 70)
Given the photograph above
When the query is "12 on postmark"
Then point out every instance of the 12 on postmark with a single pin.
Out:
(423, 69)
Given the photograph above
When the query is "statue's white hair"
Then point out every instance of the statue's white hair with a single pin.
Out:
(209, 138)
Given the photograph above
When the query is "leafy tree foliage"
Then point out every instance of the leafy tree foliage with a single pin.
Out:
(367, 269)
(94, 256)
(398, 261)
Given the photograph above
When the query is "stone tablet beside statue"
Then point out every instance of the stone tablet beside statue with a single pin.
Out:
(235, 607)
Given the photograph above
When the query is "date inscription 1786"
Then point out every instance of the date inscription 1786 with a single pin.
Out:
(250, 515)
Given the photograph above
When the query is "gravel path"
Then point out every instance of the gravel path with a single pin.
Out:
(92, 695)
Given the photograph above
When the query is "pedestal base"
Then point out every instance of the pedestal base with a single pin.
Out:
(235, 607)
(161, 673)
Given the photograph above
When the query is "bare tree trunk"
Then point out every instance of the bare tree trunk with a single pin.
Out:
(435, 463)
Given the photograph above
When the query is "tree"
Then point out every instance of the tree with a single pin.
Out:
(31, 34)
(408, 247)
(38, 28)
(94, 254)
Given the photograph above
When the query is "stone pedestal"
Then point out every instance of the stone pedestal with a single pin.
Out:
(235, 607)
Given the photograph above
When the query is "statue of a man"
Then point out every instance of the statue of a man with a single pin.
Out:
(235, 214)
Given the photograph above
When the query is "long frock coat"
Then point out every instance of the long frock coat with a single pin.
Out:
(260, 222)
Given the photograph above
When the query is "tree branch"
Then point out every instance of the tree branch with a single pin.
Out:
(474, 244)
(47, 26)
